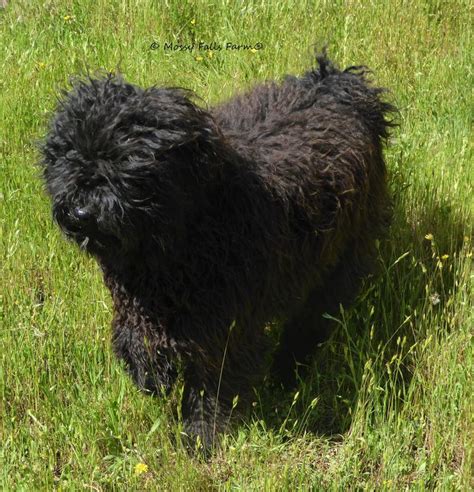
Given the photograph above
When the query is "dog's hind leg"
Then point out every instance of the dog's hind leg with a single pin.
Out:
(307, 326)
(301, 333)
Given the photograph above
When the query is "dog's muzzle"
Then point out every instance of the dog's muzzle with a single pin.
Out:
(81, 225)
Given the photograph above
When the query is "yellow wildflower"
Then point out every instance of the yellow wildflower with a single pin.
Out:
(430, 237)
(141, 468)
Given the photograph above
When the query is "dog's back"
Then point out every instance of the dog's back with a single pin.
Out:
(317, 141)
(289, 103)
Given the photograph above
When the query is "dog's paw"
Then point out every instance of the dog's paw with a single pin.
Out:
(201, 437)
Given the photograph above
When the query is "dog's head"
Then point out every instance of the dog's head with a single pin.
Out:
(122, 163)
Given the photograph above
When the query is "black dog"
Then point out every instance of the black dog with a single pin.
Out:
(210, 224)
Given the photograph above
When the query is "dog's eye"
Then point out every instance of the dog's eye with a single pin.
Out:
(72, 155)
(92, 181)
(140, 158)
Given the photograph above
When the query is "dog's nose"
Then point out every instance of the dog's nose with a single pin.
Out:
(75, 219)
(82, 215)
(82, 219)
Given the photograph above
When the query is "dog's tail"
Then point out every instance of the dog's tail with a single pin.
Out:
(353, 88)
(324, 68)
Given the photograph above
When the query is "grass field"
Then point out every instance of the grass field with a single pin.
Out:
(389, 404)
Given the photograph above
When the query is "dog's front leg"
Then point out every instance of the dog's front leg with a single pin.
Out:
(206, 411)
(219, 383)
(150, 364)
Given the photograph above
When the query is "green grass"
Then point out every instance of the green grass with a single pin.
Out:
(390, 401)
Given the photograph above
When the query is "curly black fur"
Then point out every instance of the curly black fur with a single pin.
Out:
(210, 224)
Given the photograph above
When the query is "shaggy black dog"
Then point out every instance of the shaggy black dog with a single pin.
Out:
(209, 224)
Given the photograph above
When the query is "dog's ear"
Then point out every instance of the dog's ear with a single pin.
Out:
(178, 120)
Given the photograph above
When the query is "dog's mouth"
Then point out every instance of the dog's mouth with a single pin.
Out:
(95, 244)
